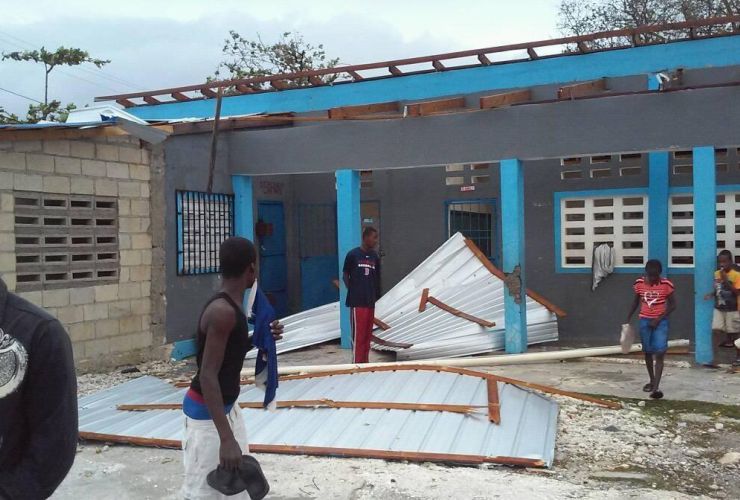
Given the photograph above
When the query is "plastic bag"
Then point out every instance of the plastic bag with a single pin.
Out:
(627, 338)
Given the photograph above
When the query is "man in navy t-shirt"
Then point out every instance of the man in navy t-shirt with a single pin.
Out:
(362, 277)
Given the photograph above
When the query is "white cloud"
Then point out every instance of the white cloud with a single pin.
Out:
(155, 44)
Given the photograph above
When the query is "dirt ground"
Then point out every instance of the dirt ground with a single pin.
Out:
(673, 448)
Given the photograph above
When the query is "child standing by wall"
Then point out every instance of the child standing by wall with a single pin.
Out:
(654, 296)
(726, 318)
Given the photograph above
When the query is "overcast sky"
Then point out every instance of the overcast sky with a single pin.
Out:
(161, 43)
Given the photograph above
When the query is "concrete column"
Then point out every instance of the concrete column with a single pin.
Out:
(705, 248)
(658, 217)
(348, 237)
(512, 229)
(243, 206)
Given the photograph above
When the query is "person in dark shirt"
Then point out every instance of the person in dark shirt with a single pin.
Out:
(38, 400)
(215, 433)
(362, 278)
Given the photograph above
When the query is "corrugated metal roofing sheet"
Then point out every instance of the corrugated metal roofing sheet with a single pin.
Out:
(527, 429)
(454, 275)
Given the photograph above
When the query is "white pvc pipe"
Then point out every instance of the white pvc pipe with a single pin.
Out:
(505, 359)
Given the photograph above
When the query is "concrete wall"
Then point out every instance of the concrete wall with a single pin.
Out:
(109, 324)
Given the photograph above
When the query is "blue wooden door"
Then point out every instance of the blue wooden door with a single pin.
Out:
(317, 225)
(270, 235)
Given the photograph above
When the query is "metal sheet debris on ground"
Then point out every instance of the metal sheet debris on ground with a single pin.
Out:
(525, 435)
(453, 274)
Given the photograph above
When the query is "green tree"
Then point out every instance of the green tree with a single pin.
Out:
(579, 17)
(245, 58)
(6, 117)
(63, 56)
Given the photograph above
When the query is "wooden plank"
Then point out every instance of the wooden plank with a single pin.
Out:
(424, 300)
(278, 84)
(394, 70)
(388, 343)
(532, 53)
(505, 99)
(179, 96)
(380, 324)
(315, 81)
(207, 92)
(582, 89)
(125, 103)
(348, 112)
(456, 312)
(485, 61)
(214, 140)
(437, 106)
(494, 407)
(355, 75)
(582, 47)
(500, 275)
(438, 65)
(244, 89)
(151, 100)
(137, 441)
(325, 403)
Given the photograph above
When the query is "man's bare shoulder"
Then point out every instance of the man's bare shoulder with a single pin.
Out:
(219, 315)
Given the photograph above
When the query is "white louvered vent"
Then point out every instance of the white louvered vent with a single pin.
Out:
(620, 221)
(682, 227)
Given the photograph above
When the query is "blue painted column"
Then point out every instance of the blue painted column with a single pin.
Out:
(512, 229)
(348, 237)
(243, 206)
(705, 248)
(658, 217)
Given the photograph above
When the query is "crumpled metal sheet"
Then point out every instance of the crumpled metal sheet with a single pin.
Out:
(454, 275)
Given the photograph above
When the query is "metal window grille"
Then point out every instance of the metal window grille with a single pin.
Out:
(619, 221)
(476, 221)
(204, 221)
(65, 241)
(681, 238)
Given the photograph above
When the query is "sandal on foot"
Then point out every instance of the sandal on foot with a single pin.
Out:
(647, 388)
(657, 395)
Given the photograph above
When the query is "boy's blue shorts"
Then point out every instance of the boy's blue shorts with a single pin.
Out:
(654, 340)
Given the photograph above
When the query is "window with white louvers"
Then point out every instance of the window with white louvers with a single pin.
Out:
(204, 221)
(682, 227)
(619, 221)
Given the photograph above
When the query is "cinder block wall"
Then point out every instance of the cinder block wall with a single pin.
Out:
(109, 324)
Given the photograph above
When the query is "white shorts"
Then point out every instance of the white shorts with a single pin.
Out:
(201, 446)
(726, 321)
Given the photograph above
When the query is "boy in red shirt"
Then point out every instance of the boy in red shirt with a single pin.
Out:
(655, 297)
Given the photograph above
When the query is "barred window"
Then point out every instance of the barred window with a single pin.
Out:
(619, 221)
(204, 221)
(65, 241)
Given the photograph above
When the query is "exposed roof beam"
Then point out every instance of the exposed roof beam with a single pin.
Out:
(151, 100)
(355, 75)
(278, 84)
(582, 89)
(432, 107)
(315, 80)
(179, 96)
(244, 89)
(394, 70)
(505, 99)
(532, 53)
(485, 61)
(347, 112)
(438, 65)
(207, 92)
(582, 47)
(125, 103)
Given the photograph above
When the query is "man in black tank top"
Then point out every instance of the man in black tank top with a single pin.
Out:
(214, 430)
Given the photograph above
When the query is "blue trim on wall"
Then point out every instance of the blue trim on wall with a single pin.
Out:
(557, 225)
(513, 243)
(348, 238)
(713, 52)
(183, 349)
(705, 248)
(243, 206)
(658, 216)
